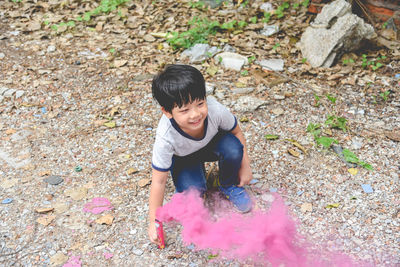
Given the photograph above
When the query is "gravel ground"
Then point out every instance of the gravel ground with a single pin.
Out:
(59, 123)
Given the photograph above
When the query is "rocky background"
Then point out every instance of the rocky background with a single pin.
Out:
(77, 123)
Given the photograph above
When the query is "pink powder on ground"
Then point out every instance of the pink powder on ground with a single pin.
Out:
(259, 236)
(108, 255)
(74, 261)
(98, 205)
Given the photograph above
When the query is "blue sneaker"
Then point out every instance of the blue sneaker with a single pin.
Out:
(238, 196)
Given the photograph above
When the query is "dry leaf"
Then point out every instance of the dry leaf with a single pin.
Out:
(106, 219)
(131, 171)
(306, 207)
(293, 152)
(76, 193)
(58, 259)
(296, 144)
(393, 135)
(44, 210)
(46, 220)
(120, 62)
(353, 171)
(143, 182)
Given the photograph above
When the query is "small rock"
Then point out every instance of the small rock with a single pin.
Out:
(58, 258)
(274, 64)
(7, 201)
(137, 252)
(279, 97)
(54, 179)
(268, 197)
(19, 93)
(248, 103)
(210, 88)
(232, 61)
(269, 30)
(200, 52)
(51, 48)
(149, 38)
(9, 93)
(306, 207)
(266, 7)
(244, 90)
(278, 111)
(3, 90)
(2, 55)
(356, 143)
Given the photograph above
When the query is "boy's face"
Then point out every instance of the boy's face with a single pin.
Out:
(190, 117)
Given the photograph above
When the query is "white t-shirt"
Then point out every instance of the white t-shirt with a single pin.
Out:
(171, 140)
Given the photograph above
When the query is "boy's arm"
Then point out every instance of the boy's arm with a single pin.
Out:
(245, 174)
(158, 181)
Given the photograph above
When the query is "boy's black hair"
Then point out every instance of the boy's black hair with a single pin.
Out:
(178, 85)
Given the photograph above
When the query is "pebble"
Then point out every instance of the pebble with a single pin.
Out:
(137, 252)
(51, 48)
(7, 201)
(54, 180)
(2, 55)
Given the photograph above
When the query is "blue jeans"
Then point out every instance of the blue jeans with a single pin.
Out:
(189, 171)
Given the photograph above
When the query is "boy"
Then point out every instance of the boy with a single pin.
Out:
(195, 129)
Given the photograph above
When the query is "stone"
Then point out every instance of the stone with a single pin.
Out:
(2, 55)
(149, 38)
(58, 258)
(210, 88)
(272, 64)
(9, 93)
(137, 252)
(278, 111)
(54, 180)
(245, 90)
(248, 103)
(232, 61)
(20, 135)
(1, 98)
(200, 52)
(3, 90)
(19, 93)
(305, 207)
(269, 30)
(51, 48)
(266, 7)
(334, 31)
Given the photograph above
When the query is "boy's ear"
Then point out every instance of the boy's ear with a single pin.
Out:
(166, 113)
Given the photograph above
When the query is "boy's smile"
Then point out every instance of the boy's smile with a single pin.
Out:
(190, 117)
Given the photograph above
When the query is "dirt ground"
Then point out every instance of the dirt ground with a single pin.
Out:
(77, 122)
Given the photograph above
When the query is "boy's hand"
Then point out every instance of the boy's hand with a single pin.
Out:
(152, 231)
(245, 175)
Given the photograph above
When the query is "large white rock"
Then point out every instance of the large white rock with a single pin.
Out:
(334, 31)
(232, 61)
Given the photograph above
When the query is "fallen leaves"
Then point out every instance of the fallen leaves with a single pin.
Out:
(143, 182)
(46, 220)
(106, 219)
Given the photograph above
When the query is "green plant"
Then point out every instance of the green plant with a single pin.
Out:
(352, 158)
(245, 3)
(201, 29)
(303, 60)
(384, 25)
(230, 25)
(279, 12)
(305, 3)
(253, 19)
(242, 24)
(375, 64)
(385, 95)
(105, 6)
(16, 1)
(331, 98)
(198, 5)
(315, 130)
(276, 46)
(334, 121)
(267, 17)
(244, 72)
(251, 59)
(347, 61)
(316, 100)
